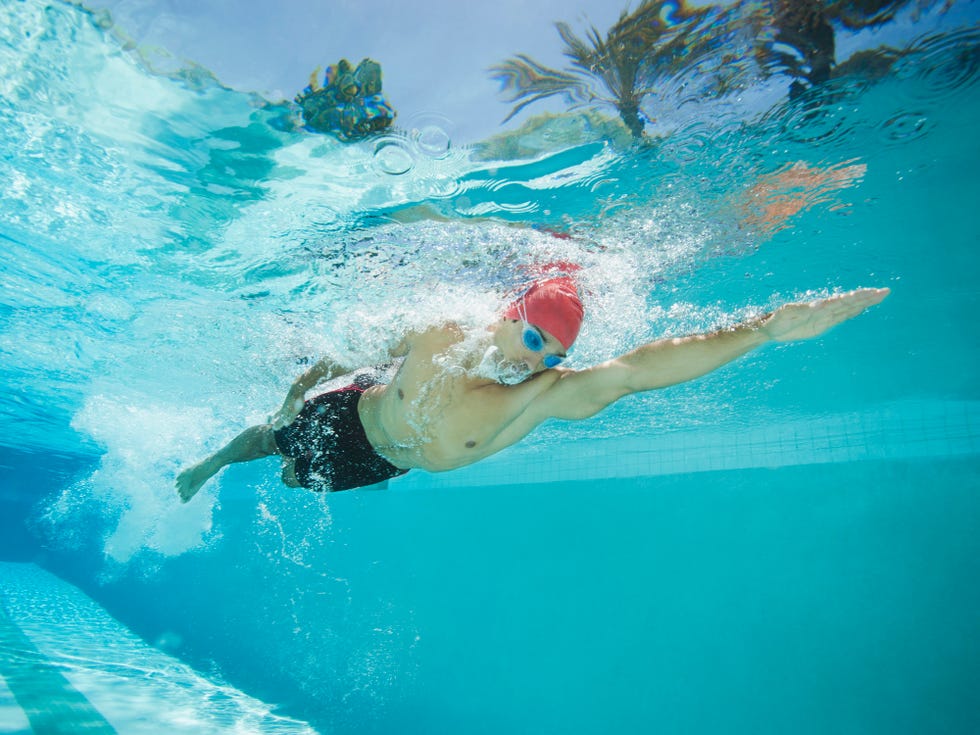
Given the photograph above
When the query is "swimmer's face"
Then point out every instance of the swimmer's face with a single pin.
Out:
(532, 346)
(518, 352)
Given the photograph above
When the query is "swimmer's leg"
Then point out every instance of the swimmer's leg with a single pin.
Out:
(253, 443)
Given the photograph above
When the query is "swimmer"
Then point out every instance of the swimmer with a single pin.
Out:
(458, 398)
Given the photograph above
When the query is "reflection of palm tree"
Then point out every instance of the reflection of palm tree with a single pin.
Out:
(858, 14)
(807, 27)
(664, 39)
(803, 42)
(653, 42)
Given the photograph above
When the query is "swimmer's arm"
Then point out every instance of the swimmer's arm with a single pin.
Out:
(583, 393)
(580, 394)
(327, 369)
(321, 370)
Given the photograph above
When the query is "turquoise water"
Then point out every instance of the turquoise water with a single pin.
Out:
(787, 545)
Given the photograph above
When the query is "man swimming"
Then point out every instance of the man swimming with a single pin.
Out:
(458, 397)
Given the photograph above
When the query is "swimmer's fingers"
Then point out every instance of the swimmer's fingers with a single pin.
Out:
(850, 304)
(802, 321)
(847, 305)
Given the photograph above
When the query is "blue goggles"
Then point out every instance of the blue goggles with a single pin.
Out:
(535, 342)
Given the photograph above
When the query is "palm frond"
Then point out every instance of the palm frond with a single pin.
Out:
(524, 80)
(582, 53)
(658, 39)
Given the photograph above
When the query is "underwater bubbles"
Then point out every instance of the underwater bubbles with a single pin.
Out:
(393, 156)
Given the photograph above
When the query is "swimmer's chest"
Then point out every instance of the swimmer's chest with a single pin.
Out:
(455, 411)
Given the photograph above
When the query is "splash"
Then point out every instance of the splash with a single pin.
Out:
(132, 489)
(495, 366)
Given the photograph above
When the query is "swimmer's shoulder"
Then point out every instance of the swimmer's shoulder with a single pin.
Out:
(431, 339)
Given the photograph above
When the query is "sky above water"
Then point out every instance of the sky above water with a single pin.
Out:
(434, 55)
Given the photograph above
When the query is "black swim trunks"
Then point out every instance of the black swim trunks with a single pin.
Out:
(328, 442)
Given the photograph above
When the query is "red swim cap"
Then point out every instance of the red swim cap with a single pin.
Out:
(554, 306)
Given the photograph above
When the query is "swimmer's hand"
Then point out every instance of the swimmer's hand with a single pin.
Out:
(323, 369)
(812, 318)
(289, 411)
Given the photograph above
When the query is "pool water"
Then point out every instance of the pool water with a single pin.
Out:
(787, 545)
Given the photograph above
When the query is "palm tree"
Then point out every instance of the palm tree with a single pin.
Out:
(619, 69)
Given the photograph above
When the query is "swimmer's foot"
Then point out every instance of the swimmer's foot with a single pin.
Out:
(289, 478)
(190, 480)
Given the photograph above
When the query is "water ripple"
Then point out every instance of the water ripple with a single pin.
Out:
(814, 119)
(942, 65)
(688, 144)
(393, 156)
(906, 127)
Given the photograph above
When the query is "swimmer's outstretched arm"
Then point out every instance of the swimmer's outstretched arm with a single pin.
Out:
(580, 394)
